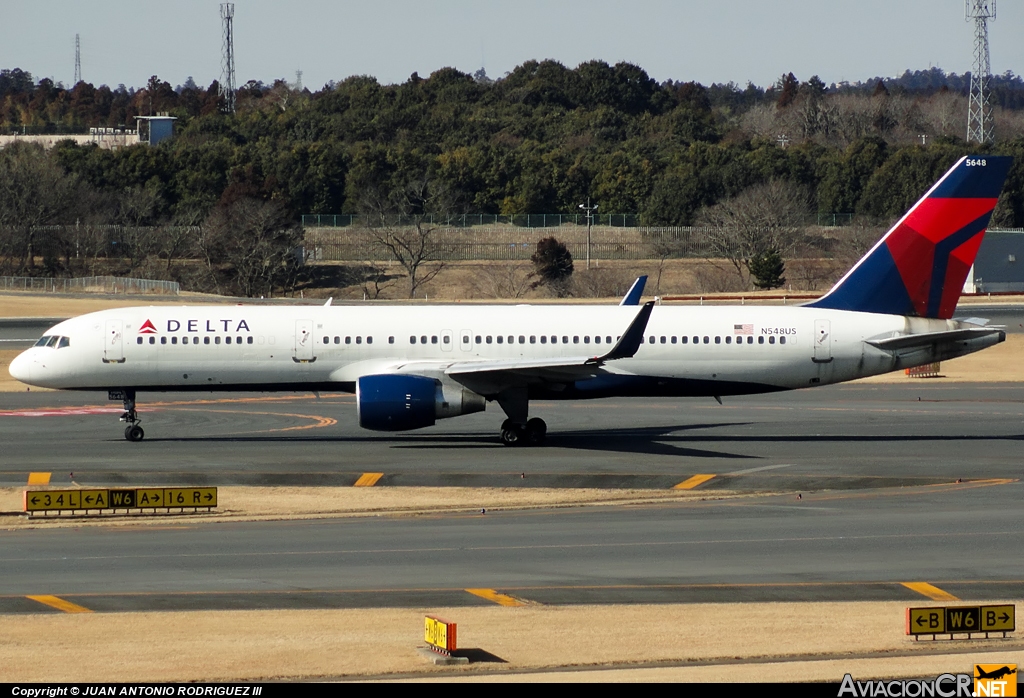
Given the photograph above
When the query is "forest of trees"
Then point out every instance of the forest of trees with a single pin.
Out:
(541, 139)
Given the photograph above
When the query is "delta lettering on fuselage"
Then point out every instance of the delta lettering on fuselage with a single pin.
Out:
(194, 326)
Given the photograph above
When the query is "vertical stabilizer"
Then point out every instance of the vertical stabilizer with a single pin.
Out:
(920, 265)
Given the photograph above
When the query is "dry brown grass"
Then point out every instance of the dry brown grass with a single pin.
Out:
(234, 645)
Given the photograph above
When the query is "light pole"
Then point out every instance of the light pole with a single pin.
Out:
(590, 221)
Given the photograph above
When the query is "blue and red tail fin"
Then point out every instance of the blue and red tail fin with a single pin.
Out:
(920, 265)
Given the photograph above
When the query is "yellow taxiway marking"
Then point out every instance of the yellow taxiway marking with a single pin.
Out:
(60, 604)
(500, 599)
(692, 482)
(932, 592)
(39, 478)
(368, 479)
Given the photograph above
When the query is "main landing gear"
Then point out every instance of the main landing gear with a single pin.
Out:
(530, 434)
(517, 430)
(132, 432)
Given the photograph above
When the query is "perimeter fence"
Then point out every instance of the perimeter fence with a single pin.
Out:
(510, 243)
(89, 284)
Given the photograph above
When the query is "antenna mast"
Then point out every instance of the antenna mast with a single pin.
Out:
(979, 108)
(78, 61)
(227, 81)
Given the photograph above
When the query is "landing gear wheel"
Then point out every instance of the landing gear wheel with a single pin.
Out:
(134, 432)
(536, 430)
(512, 436)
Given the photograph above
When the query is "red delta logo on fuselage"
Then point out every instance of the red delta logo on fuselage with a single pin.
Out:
(206, 326)
(147, 328)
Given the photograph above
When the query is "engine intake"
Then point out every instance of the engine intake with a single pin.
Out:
(398, 402)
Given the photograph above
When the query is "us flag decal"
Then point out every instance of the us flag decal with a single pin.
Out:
(743, 329)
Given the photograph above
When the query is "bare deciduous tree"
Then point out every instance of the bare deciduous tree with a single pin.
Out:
(763, 218)
(256, 240)
(401, 225)
(506, 280)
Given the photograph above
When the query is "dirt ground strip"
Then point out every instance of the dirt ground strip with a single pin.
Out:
(239, 503)
(235, 645)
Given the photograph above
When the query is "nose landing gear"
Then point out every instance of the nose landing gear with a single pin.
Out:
(132, 432)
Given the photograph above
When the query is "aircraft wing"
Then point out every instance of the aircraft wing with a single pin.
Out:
(492, 376)
(907, 343)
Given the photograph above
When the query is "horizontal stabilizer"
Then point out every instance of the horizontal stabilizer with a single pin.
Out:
(927, 340)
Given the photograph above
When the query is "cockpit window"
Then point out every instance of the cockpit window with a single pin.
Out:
(43, 340)
(64, 342)
(52, 341)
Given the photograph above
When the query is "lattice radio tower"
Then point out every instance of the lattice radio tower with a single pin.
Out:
(227, 80)
(979, 108)
(78, 61)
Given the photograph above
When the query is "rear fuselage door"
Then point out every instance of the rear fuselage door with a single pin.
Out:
(822, 341)
(303, 341)
(113, 347)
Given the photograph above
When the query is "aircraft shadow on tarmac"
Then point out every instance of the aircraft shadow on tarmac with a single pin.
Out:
(672, 440)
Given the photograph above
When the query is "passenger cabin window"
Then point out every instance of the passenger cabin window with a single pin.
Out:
(138, 340)
(369, 340)
(760, 340)
(412, 339)
(586, 339)
(248, 340)
(337, 340)
(206, 340)
(728, 340)
(216, 340)
(500, 339)
(163, 340)
(433, 339)
(174, 340)
(227, 340)
(771, 340)
(359, 340)
(391, 340)
(152, 340)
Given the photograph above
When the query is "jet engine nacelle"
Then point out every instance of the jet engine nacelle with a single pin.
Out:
(398, 402)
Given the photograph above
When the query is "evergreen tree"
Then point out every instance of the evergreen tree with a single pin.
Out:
(767, 269)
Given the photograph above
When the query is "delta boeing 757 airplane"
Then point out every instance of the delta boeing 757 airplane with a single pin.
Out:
(410, 366)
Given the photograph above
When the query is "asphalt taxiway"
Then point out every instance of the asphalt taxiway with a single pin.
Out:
(852, 436)
(881, 515)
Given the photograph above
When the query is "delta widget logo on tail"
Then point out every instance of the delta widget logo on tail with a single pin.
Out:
(147, 328)
(920, 266)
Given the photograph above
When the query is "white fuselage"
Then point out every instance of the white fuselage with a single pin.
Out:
(709, 350)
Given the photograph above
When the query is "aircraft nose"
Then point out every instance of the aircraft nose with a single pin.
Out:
(21, 368)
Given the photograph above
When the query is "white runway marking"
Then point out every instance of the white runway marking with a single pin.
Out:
(757, 470)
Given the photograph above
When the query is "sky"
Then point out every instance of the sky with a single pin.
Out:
(707, 40)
